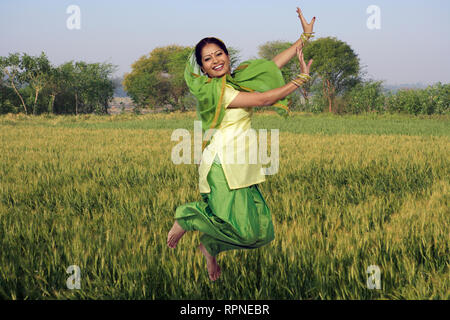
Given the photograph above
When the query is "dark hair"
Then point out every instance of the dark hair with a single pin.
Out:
(204, 42)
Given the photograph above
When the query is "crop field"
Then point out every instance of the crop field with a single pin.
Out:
(100, 193)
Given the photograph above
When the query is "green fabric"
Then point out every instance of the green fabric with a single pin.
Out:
(229, 219)
(257, 75)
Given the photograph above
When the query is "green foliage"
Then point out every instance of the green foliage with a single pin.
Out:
(78, 87)
(95, 87)
(335, 64)
(334, 60)
(158, 79)
(12, 76)
(365, 97)
(318, 104)
(31, 84)
(6, 106)
(439, 98)
(36, 73)
(8, 100)
(432, 100)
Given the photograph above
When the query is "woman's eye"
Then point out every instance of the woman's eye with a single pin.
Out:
(219, 54)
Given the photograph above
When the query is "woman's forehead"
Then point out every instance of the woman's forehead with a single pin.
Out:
(209, 49)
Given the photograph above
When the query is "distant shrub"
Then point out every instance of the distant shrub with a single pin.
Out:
(318, 103)
(365, 97)
(405, 101)
(432, 100)
(439, 98)
(7, 107)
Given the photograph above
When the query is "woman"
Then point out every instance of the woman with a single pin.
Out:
(233, 213)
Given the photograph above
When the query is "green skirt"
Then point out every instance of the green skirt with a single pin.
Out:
(228, 219)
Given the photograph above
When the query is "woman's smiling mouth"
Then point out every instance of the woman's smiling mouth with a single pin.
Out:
(219, 67)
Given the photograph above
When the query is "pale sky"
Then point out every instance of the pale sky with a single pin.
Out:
(412, 44)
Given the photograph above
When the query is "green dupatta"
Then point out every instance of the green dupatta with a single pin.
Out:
(253, 75)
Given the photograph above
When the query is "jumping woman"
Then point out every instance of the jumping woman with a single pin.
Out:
(233, 213)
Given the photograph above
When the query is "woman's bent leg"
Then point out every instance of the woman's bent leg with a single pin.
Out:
(229, 219)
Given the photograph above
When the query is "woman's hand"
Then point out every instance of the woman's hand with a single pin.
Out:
(304, 68)
(307, 27)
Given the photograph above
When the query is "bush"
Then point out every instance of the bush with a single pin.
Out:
(432, 100)
(318, 103)
(9, 102)
(406, 101)
(365, 97)
(7, 107)
(439, 98)
(298, 102)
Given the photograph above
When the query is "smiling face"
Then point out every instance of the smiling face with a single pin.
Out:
(215, 62)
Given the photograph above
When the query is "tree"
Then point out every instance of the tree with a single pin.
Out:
(56, 83)
(7, 95)
(11, 66)
(89, 85)
(175, 70)
(158, 78)
(102, 88)
(36, 73)
(336, 64)
(92, 85)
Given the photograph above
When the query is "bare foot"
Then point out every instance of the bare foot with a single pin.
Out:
(175, 235)
(211, 264)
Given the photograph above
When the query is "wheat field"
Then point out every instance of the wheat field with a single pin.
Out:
(100, 193)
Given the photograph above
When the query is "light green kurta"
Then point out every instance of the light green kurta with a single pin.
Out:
(235, 146)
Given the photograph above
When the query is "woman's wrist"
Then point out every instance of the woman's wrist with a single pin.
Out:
(306, 36)
(301, 79)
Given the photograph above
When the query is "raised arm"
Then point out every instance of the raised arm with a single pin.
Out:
(284, 57)
(268, 98)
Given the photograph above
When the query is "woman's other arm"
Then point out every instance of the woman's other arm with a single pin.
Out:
(268, 98)
(260, 99)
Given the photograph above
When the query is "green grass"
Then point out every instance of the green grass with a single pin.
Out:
(103, 198)
(299, 123)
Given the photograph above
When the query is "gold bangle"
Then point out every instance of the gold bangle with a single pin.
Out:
(306, 36)
(297, 83)
(303, 77)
